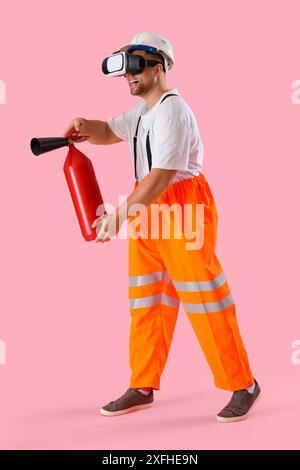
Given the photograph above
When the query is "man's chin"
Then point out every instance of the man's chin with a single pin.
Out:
(135, 92)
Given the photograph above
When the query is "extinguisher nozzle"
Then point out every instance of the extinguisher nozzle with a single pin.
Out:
(46, 144)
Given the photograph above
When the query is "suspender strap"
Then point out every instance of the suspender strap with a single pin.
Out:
(149, 155)
(171, 94)
(134, 146)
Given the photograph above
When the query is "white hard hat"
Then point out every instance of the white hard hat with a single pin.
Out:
(158, 42)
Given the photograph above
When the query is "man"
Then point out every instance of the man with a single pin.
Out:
(167, 153)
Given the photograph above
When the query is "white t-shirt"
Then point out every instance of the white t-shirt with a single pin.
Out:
(174, 136)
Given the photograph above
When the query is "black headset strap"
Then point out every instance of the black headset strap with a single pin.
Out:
(149, 155)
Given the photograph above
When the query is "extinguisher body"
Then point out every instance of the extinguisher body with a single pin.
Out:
(84, 190)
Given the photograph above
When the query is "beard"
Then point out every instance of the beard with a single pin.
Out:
(141, 88)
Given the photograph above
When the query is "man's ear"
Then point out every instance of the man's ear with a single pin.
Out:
(161, 68)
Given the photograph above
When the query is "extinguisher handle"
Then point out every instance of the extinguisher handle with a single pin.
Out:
(74, 134)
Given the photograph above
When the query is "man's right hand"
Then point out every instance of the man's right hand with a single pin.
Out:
(81, 126)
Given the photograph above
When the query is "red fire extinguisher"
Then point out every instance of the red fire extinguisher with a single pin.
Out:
(81, 180)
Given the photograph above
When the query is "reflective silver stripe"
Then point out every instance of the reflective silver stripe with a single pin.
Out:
(199, 286)
(145, 279)
(145, 301)
(154, 300)
(167, 277)
(209, 307)
(168, 300)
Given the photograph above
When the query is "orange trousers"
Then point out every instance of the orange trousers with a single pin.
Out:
(164, 271)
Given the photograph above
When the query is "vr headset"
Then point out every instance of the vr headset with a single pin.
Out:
(120, 63)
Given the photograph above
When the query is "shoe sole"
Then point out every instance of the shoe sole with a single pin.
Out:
(239, 418)
(127, 410)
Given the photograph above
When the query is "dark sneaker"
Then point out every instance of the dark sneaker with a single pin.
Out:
(131, 400)
(239, 406)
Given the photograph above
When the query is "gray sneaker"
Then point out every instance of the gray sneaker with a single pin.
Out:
(131, 400)
(239, 406)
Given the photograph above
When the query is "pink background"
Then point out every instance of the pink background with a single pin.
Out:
(64, 307)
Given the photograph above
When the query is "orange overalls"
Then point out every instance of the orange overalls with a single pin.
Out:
(163, 273)
(166, 268)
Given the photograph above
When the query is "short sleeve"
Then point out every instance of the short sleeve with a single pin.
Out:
(119, 125)
(172, 141)
(122, 124)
